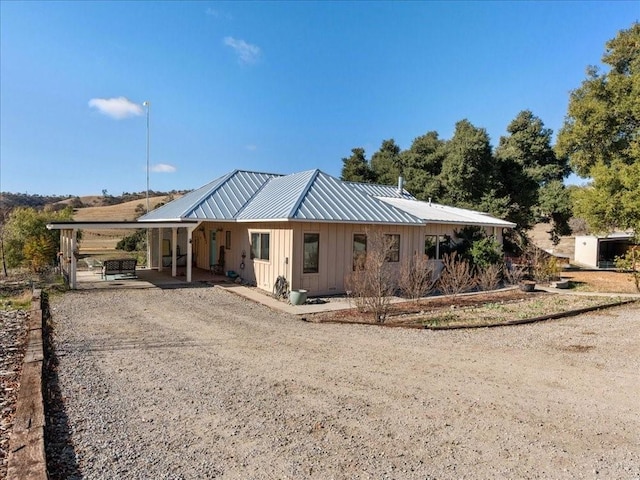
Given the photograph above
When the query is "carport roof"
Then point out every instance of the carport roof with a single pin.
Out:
(117, 225)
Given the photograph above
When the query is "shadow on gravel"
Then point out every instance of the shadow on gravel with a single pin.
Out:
(61, 456)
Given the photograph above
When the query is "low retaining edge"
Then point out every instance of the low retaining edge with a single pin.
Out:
(27, 459)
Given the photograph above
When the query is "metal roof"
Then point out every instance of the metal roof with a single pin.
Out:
(278, 198)
(309, 196)
(316, 196)
(220, 199)
(375, 190)
(436, 213)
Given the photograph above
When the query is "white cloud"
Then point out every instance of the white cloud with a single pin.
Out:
(246, 52)
(117, 108)
(163, 168)
(212, 12)
(251, 148)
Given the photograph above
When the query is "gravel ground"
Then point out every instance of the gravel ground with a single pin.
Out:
(198, 383)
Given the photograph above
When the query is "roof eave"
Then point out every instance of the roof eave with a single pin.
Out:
(117, 225)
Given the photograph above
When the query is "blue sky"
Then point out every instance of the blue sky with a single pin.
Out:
(278, 87)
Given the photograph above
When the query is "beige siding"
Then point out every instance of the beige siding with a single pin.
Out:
(286, 250)
(263, 272)
(336, 253)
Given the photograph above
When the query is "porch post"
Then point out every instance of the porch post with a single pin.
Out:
(67, 260)
(63, 250)
(72, 273)
(159, 255)
(189, 253)
(149, 238)
(174, 252)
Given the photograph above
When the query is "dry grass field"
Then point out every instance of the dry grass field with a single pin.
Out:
(540, 237)
(96, 241)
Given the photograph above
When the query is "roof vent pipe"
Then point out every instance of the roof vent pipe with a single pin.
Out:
(400, 185)
(429, 201)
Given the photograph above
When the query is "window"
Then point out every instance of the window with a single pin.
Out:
(311, 248)
(435, 246)
(227, 240)
(431, 246)
(359, 250)
(260, 246)
(393, 241)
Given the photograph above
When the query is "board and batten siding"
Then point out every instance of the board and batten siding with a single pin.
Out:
(265, 272)
(335, 260)
(286, 240)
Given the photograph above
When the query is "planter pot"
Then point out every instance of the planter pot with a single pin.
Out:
(528, 286)
(560, 284)
(298, 297)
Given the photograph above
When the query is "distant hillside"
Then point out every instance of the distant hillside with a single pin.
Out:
(101, 241)
(9, 201)
(121, 212)
(126, 207)
(539, 235)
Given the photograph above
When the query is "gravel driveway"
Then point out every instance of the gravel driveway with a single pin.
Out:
(198, 383)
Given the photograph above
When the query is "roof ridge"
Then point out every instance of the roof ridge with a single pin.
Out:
(223, 180)
(304, 192)
(238, 170)
(255, 194)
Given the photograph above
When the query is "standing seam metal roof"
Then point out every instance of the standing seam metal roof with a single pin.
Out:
(221, 199)
(309, 196)
(278, 198)
(316, 196)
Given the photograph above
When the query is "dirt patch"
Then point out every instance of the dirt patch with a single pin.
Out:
(482, 309)
(600, 281)
(577, 348)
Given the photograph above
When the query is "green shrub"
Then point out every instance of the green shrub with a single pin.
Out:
(486, 251)
(137, 241)
(25, 234)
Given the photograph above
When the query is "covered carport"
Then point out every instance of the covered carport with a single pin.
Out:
(600, 251)
(156, 232)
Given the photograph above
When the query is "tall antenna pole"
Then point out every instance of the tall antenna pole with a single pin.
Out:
(148, 105)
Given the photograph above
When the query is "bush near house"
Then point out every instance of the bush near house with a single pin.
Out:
(136, 242)
(372, 284)
(25, 240)
(630, 262)
(418, 277)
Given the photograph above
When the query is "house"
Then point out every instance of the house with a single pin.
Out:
(599, 251)
(307, 227)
